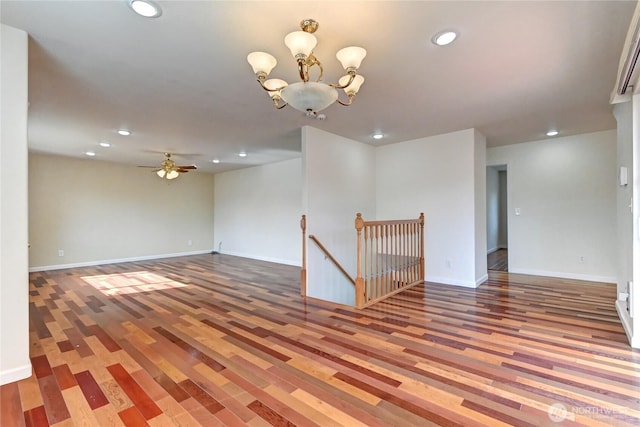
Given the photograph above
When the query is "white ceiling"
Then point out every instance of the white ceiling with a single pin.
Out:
(182, 84)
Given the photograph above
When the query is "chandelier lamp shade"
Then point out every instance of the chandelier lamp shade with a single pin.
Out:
(305, 95)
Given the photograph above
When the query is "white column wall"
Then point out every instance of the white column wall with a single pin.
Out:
(480, 206)
(339, 181)
(14, 258)
(437, 175)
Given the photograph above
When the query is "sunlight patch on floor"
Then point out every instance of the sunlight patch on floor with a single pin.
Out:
(130, 283)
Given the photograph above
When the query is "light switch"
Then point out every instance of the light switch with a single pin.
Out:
(517, 211)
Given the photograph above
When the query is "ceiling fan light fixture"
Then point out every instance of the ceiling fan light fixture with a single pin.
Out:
(145, 8)
(172, 174)
(444, 38)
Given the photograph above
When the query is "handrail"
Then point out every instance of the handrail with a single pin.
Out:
(335, 262)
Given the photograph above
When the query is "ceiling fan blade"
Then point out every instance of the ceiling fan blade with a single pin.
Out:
(181, 170)
(192, 167)
(147, 166)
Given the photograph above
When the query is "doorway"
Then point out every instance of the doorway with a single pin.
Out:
(497, 219)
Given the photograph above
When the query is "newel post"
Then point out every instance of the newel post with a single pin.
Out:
(422, 246)
(359, 279)
(303, 270)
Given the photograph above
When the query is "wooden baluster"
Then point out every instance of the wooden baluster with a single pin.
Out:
(405, 237)
(414, 253)
(387, 269)
(367, 263)
(303, 270)
(422, 246)
(394, 256)
(360, 296)
(378, 270)
(417, 260)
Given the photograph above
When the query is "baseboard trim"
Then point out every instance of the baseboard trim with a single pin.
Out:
(492, 250)
(634, 341)
(453, 282)
(482, 279)
(264, 258)
(15, 374)
(115, 261)
(562, 275)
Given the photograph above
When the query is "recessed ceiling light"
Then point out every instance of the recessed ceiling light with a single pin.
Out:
(145, 8)
(105, 144)
(124, 132)
(242, 154)
(377, 135)
(90, 153)
(443, 38)
(552, 133)
(215, 161)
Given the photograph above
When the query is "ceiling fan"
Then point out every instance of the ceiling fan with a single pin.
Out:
(168, 168)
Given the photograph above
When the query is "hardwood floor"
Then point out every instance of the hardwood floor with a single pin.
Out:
(219, 340)
(498, 260)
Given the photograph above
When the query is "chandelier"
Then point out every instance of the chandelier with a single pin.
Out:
(308, 96)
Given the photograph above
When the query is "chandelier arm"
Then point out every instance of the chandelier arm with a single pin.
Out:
(313, 60)
(303, 70)
(279, 107)
(346, 104)
(261, 81)
(352, 75)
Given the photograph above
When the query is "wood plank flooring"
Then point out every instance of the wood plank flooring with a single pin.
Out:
(127, 344)
(498, 260)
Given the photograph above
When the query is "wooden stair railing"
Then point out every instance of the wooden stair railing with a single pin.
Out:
(333, 260)
(303, 270)
(390, 257)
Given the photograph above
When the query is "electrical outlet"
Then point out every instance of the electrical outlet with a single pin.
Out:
(581, 259)
(60, 252)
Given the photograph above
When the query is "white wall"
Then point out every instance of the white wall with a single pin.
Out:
(565, 189)
(503, 231)
(480, 206)
(258, 210)
(623, 114)
(14, 280)
(100, 212)
(339, 177)
(493, 208)
(438, 176)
